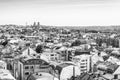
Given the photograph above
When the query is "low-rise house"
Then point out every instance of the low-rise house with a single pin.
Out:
(66, 70)
(114, 60)
(7, 49)
(6, 75)
(42, 76)
(108, 71)
(50, 56)
(28, 52)
(95, 58)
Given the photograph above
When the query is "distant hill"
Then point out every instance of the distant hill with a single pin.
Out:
(98, 28)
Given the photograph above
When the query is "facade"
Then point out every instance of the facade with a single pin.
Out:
(42, 76)
(28, 52)
(66, 70)
(6, 75)
(84, 62)
(29, 66)
(50, 56)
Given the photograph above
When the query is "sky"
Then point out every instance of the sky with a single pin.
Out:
(60, 12)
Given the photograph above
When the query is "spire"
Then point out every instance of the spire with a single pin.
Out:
(34, 24)
(38, 24)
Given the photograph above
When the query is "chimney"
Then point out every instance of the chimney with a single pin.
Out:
(28, 51)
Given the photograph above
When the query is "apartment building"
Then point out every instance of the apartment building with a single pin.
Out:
(84, 62)
(29, 66)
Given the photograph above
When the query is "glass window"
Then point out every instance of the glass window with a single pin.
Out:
(31, 67)
(83, 66)
(26, 67)
(26, 73)
(52, 54)
(83, 60)
(83, 63)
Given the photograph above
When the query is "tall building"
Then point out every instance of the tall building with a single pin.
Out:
(83, 61)
(36, 25)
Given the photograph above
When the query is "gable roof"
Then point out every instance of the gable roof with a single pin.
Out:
(107, 66)
(117, 71)
(28, 51)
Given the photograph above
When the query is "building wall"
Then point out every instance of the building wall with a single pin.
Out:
(20, 70)
(32, 69)
(83, 63)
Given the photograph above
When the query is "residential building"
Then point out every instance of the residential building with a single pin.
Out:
(84, 62)
(29, 66)
(50, 56)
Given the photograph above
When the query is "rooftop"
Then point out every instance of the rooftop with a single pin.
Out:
(5, 74)
(42, 76)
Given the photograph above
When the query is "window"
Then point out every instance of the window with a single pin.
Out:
(55, 54)
(83, 63)
(52, 58)
(83, 60)
(26, 73)
(26, 67)
(83, 66)
(52, 54)
(31, 67)
(115, 76)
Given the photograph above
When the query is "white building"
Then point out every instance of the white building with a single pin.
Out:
(42, 76)
(6, 75)
(29, 66)
(50, 56)
(66, 70)
(28, 52)
(83, 61)
(3, 65)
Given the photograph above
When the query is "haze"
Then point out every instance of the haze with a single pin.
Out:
(60, 12)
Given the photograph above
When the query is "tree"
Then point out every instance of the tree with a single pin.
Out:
(5, 43)
(39, 49)
(76, 43)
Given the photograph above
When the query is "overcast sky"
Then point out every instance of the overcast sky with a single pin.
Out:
(60, 12)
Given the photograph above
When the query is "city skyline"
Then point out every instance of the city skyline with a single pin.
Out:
(60, 12)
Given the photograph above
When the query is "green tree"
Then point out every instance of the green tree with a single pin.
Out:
(39, 49)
